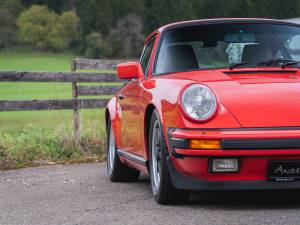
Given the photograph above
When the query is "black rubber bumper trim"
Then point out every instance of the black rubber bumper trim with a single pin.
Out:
(240, 144)
(248, 144)
(237, 129)
(183, 182)
(179, 142)
(244, 144)
(176, 143)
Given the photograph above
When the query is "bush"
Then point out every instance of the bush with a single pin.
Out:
(8, 29)
(44, 29)
(96, 47)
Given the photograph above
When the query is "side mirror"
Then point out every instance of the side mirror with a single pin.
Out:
(129, 70)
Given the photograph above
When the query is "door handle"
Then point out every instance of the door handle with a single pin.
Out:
(121, 96)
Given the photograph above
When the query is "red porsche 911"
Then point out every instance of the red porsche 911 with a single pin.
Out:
(211, 105)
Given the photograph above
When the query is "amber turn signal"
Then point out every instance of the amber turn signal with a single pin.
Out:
(205, 144)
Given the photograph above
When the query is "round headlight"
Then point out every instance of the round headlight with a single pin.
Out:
(199, 102)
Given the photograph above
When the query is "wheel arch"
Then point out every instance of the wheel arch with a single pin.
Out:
(107, 117)
(147, 121)
(110, 114)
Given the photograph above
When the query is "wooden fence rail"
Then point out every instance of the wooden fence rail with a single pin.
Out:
(73, 77)
(51, 104)
(94, 64)
(97, 90)
(12, 76)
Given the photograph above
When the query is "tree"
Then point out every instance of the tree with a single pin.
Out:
(64, 31)
(96, 46)
(7, 29)
(45, 29)
(96, 15)
(56, 5)
(15, 7)
(102, 15)
(127, 38)
(161, 12)
(121, 9)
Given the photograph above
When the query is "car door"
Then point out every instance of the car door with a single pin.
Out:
(131, 112)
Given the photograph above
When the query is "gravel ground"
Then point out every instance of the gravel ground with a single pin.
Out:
(82, 194)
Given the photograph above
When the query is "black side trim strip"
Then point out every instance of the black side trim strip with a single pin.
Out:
(132, 157)
(261, 144)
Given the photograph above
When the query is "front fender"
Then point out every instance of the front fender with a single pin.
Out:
(111, 113)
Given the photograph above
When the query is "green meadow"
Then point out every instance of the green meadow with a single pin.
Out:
(31, 137)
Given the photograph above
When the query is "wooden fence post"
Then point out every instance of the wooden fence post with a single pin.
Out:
(76, 116)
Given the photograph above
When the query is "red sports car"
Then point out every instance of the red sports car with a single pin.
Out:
(211, 105)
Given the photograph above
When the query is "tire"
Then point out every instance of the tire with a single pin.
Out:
(117, 171)
(162, 188)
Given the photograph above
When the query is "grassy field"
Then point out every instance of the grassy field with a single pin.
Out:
(28, 137)
(35, 61)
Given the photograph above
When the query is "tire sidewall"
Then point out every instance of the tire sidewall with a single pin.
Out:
(110, 172)
(155, 117)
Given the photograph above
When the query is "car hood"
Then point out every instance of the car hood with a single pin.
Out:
(264, 99)
(258, 98)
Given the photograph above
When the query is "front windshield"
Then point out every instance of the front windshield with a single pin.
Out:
(221, 45)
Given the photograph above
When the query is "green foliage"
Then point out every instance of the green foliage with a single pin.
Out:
(65, 31)
(48, 30)
(7, 29)
(121, 9)
(102, 15)
(55, 5)
(96, 46)
(124, 40)
(127, 38)
(9, 10)
(45, 29)
(15, 7)
(35, 26)
(161, 12)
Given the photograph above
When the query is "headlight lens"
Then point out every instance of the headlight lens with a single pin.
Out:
(199, 102)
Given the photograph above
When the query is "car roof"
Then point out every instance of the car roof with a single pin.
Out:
(219, 21)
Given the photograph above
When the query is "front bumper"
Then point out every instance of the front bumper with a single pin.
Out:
(184, 182)
(255, 148)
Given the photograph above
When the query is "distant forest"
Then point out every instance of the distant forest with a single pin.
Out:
(115, 28)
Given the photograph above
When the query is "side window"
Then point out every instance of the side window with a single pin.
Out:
(145, 58)
(292, 46)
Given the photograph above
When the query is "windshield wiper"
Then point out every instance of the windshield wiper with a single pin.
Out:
(281, 62)
(286, 64)
(234, 65)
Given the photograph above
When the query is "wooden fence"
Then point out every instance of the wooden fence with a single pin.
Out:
(78, 90)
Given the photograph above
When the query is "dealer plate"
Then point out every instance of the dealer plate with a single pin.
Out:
(284, 170)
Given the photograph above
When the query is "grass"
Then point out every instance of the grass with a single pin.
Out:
(35, 61)
(31, 137)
